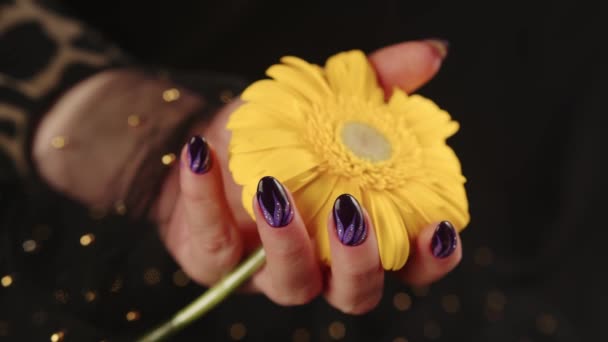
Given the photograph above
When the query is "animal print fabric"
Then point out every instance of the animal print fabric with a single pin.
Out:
(42, 53)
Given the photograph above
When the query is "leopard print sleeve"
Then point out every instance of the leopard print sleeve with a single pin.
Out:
(42, 53)
(133, 119)
(74, 238)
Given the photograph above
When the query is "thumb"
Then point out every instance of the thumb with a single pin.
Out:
(408, 65)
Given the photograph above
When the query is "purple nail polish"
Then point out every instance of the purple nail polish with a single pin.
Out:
(273, 201)
(349, 221)
(444, 240)
(441, 46)
(198, 152)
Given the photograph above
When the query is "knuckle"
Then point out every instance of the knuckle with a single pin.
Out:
(215, 238)
(360, 299)
(198, 194)
(363, 275)
(225, 260)
(300, 296)
(362, 270)
(209, 263)
(211, 272)
(288, 251)
(360, 306)
(216, 242)
(203, 278)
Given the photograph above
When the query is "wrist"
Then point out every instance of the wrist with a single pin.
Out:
(103, 142)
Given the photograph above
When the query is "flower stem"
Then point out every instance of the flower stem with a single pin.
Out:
(208, 300)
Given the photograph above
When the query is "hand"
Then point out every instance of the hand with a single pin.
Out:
(205, 227)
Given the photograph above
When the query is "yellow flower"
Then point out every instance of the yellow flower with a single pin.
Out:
(327, 131)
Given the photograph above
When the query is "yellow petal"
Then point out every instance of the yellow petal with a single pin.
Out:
(279, 100)
(263, 139)
(314, 72)
(455, 205)
(295, 183)
(432, 203)
(306, 80)
(270, 130)
(254, 116)
(283, 164)
(350, 74)
(314, 202)
(398, 100)
(292, 78)
(411, 105)
(249, 191)
(313, 196)
(319, 232)
(393, 242)
(320, 220)
(430, 124)
(441, 160)
(435, 129)
(413, 220)
(405, 213)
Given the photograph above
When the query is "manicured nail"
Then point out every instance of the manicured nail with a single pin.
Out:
(274, 202)
(440, 46)
(444, 240)
(349, 221)
(198, 152)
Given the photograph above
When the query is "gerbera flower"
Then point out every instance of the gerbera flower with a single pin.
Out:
(328, 131)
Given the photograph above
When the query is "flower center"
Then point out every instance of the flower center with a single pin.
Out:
(365, 141)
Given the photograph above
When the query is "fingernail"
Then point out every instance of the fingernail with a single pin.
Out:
(274, 202)
(198, 152)
(440, 46)
(349, 221)
(444, 240)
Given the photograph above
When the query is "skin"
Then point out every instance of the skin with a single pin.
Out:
(201, 218)
(204, 226)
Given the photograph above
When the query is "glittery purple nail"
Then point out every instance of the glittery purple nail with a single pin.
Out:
(273, 201)
(198, 152)
(349, 221)
(444, 240)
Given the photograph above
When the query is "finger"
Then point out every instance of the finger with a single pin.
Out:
(437, 251)
(214, 245)
(292, 274)
(356, 280)
(219, 136)
(408, 65)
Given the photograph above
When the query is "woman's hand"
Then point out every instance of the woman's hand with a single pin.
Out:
(205, 227)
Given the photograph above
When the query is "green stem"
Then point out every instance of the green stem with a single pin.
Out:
(207, 300)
